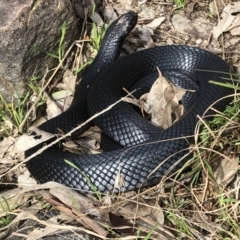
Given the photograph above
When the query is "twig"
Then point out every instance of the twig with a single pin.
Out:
(66, 135)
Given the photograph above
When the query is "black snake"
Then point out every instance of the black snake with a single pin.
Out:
(146, 147)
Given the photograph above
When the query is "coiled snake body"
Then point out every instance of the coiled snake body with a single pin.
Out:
(147, 148)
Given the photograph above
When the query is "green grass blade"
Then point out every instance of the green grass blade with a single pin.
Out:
(46, 52)
(60, 48)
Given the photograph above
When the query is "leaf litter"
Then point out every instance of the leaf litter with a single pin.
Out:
(229, 20)
(127, 208)
(162, 102)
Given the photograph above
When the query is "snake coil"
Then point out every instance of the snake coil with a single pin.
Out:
(146, 147)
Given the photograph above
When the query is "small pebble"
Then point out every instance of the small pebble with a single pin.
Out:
(169, 41)
(198, 41)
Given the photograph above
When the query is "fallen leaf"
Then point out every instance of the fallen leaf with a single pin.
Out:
(96, 18)
(145, 33)
(216, 6)
(26, 142)
(109, 13)
(93, 133)
(61, 94)
(89, 142)
(235, 28)
(69, 81)
(224, 170)
(5, 145)
(190, 8)
(92, 144)
(229, 19)
(156, 22)
(163, 100)
(53, 109)
(140, 209)
(76, 200)
(24, 179)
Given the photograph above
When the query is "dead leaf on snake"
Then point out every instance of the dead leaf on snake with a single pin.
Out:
(162, 101)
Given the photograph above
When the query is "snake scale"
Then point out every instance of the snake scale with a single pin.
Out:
(146, 147)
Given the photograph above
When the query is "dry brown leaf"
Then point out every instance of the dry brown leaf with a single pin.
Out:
(34, 208)
(235, 29)
(51, 226)
(160, 231)
(145, 33)
(6, 145)
(24, 179)
(47, 185)
(25, 142)
(189, 8)
(96, 18)
(16, 197)
(82, 146)
(93, 133)
(33, 98)
(52, 108)
(72, 147)
(61, 94)
(6, 160)
(65, 103)
(69, 81)
(93, 145)
(38, 121)
(64, 96)
(156, 22)
(229, 19)
(109, 13)
(70, 144)
(80, 217)
(145, 212)
(76, 200)
(216, 6)
(140, 209)
(224, 170)
(162, 101)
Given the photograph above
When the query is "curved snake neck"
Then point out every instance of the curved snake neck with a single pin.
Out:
(146, 147)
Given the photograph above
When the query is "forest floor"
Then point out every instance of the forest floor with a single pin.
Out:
(202, 203)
